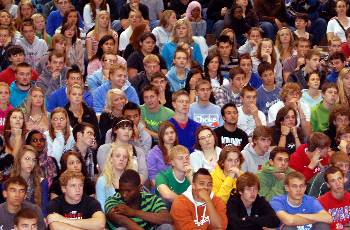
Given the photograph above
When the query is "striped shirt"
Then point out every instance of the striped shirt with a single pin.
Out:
(149, 203)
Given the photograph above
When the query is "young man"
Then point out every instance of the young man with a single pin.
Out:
(5, 43)
(232, 92)
(178, 72)
(320, 112)
(251, 78)
(249, 116)
(117, 79)
(224, 49)
(310, 157)
(15, 54)
(185, 127)
(338, 61)
(85, 144)
(229, 133)
(203, 111)
(74, 210)
(298, 210)
(267, 94)
(337, 201)
(255, 35)
(197, 207)
(54, 76)
(152, 112)
(14, 191)
(33, 46)
(58, 98)
(247, 210)
(172, 182)
(125, 9)
(257, 152)
(132, 208)
(19, 89)
(160, 81)
(26, 219)
(273, 173)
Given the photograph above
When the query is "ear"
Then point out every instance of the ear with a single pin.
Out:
(270, 162)
(4, 194)
(286, 188)
(328, 186)
(141, 188)
(63, 188)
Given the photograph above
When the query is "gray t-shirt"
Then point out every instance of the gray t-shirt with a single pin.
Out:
(6, 218)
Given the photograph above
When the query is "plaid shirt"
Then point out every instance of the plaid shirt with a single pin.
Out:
(224, 95)
(89, 161)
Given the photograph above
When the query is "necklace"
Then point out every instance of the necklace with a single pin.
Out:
(32, 119)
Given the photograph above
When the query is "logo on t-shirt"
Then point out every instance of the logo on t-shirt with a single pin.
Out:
(74, 215)
(211, 120)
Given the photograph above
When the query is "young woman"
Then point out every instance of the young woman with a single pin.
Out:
(284, 44)
(122, 132)
(25, 10)
(163, 32)
(105, 46)
(115, 101)
(135, 18)
(312, 95)
(59, 136)
(48, 165)
(36, 116)
(102, 28)
(266, 52)
(117, 161)
(77, 110)
(91, 10)
(10, 6)
(227, 171)
(182, 33)
(7, 20)
(212, 71)
(72, 161)
(74, 46)
(206, 153)
(194, 15)
(158, 157)
(286, 133)
(134, 43)
(14, 131)
(343, 84)
(40, 30)
(26, 165)
(5, 106)
(339, 24)
(72, 16)
(178, 73)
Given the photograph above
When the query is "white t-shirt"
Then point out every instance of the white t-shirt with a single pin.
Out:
(334, 27)
(247, 122)
(124, 38)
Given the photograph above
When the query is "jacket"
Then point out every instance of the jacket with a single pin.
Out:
(174, 82)
(252, 161)
(34, 51)
(50, 84)
(222, 185)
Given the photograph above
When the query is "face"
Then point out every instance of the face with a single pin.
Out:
(119, 78)
(40, 23)
(341, 121)
(238, 13)
(296, 189)
(172, 19)
(88, 136)
(314, 81)
(202, 183)
(134, 19)
(280, 162)
(24, 76)
(108, 61)
(330, 96)
(181, 31)
(346, 81)
(180, 162)
(237, 83)
(266, 47)
(292, 96)
(343, 166)
(300, 23)
(148, 45)
(73, 163)
(262, 144)
(151, 68)
(26, 224)
(160, 83)
(63, 5)
(124, 133)
(4, 94)
(72, 18)
(16, 120)
(118, 102)
(203, 92)
(289, 119)
(284, 35)
(231, 115)
(15, 194)
(246, 65)
(133, 115)
(5, 18)
(255, 36)
(108, 46)
(70, 32)
(169, 136)
(73, 191)
(340, 8)
(37, 98)
(59, 121)
(75, 96)
(4, 36)
(182, 104)
(16, 59)
(180, 59)
(196, 12)
(206, 139)
(151, 99)
(38, 142)
(28, 33)
(74, 79)
(335, 46)
(214, 64)
(129, 192)
(232, 161)
(120, 159)
(26, 11)
(28, 162)
(249, 98)
(104, 21)
(225, 49)
(336, 182)
(337, 65)
(249, 194)
(268, 78)
(56, 64)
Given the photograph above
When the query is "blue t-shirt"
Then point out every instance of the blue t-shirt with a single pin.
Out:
(309, 205)
(266, 99)
(209, 115)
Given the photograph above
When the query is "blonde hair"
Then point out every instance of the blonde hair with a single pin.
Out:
(75, 86)
(181, 22)
(177, 150)
(43, 32)
(115, 91)
(108, 167)
(96, 31)
(278, 42)
(19, 19)
(343, 98)
(28, 104)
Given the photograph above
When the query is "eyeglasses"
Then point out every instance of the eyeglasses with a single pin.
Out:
(202, 138)
(38, 140)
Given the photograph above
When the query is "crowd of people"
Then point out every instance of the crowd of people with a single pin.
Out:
(174, 114)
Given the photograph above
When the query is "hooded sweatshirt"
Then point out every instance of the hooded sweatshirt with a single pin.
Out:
(269, 185)
(252, 161)
(174, 81)
(50, 84)
(34, 51)
(190, 214)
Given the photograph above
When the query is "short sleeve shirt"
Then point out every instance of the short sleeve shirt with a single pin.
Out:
(167, 177)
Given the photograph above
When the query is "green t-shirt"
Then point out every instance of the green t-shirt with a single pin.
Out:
(149, 203)
(153, 120)
(319, 118)
(167, 177)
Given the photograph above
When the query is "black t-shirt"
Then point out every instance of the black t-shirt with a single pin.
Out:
(83, 210)
(89, 187)
(237, 138)
(290, 140)
(125, 10)
(135, 61)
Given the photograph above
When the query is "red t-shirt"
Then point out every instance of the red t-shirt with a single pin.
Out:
(339, 209)
(8, 75)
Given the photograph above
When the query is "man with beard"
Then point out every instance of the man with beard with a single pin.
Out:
(20, 87)
(229, 133)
